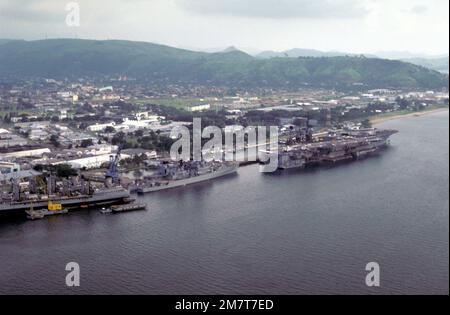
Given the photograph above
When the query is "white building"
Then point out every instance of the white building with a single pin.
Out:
(10, 140)
(148, 117)
(27, 153)
(90, 162)
(62, 114)
(106, 89)
(61, 127)
(199, 108)
(100, 127)
(111, 97)
(129, 125)
(38, 134)
(7, 167)
(65, 94)
(33, 125)
(100, 149)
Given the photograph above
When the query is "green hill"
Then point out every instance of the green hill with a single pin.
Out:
(73, 58)
(438, 64)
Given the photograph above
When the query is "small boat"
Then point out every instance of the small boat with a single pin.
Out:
(129, 207)
(34, 215)
(106, 211)
(40, 214)
(129, 200)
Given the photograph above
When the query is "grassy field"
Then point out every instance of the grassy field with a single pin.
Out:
(180, 103)
(405, 113)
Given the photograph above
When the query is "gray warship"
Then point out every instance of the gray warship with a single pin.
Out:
(178, 174)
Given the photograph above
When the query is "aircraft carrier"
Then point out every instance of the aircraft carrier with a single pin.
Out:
(331, 146)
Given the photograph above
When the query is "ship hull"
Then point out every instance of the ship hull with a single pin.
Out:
(357, 154)
(188, 181)
(105, 197)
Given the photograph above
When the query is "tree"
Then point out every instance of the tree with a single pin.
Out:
(65, 170)
(38, 167)
(86, 143)
(87, 108)
(118, 138)
(110, 129)
(61, 170)
(403, 103)
(25, 134)
(54, 139)
(139, 133)
(83, 126)
(366, 123)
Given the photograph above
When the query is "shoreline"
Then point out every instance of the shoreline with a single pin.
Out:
(375, 120)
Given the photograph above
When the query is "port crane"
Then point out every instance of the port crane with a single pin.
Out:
(112, 173)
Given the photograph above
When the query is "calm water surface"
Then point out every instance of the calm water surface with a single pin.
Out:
(291, 233)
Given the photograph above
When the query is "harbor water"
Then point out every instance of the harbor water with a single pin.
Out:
(294, 232)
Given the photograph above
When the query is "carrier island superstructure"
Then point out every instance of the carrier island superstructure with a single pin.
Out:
(304, 148)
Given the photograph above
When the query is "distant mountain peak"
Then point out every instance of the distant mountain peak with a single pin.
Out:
(230, 49)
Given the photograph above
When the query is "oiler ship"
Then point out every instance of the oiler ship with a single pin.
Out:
(328, 147)
(38, 193)
(79, 200)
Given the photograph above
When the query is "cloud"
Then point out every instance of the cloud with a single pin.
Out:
(45, 11)
(28, 15)
(277, 9)
(419, 9)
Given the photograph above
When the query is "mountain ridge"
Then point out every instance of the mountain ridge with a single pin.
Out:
(232, 67)
(433, 62)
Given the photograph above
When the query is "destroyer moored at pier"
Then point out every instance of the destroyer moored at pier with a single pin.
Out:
(173, 175)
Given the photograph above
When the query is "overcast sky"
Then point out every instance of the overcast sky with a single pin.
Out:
(359, 26)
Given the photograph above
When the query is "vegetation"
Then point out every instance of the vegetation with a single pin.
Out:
(61, 170)
(86, 143)
(63, 57)
(366, 123)
(110, 129)
(54, 140)
(438, 64)
(148, 140)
